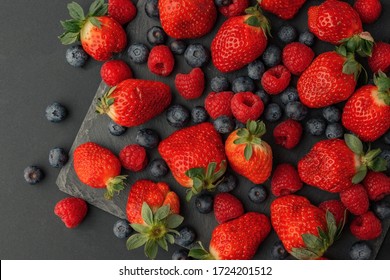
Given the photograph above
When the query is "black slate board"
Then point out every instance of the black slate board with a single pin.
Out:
(94, 128)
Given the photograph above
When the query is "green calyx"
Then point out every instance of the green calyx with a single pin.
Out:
(250, 136)
(351, 66)
(104, 103)
(362, 44)
(257, 19)
(73, 26)
(200, 253)
(205, 179)
(115, 185)
(383, 84)
(157, 231)
(368, 159)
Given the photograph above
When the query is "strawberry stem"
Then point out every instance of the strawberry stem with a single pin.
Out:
(104, 103)
(200, 253)
(115, 185)
(250, 136)
(362, 44)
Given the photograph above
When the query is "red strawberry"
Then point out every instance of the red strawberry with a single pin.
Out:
(190, 86)
(233, 46)
(161, 61)
(337, 208)
(71, 211)
(227, 207)
(115, 71)
(98, 167)
(100, 36)
(238, 239)
(366, 226)
(134, 102)
(368, 10)
(133, 158)
(285, 180)
(281, 8)
(276, 79)
(288, 133)
(297, 57)
(219, 104)
(236, 8)
(355, 199)
(195, 156)
(377, 185)
(380, 59)
(123, 11)
(246, 106)
(187, 19)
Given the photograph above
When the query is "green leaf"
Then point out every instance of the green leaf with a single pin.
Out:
(239, 141)
(189, 195)
(170, 238)
(151, 249)
(312, 241)
(175, 232)
(98, 8)
(68, 38)
(354, 144)
(139, 228)
(195, 172)
(162, 213)
(332, 226)
(76, 11)
(162, 242)
(372, 154)
(174, 220)
(322, 234)
(71, 25)
(253, 21)
(248, 151)
(197, 185)
(243, 132)
(211, 169)
(200, 253)
(147, 214)
(110, 101)
(219, 174)
(136, 241)
(95, 21)
(303, 254)
(378, 165)
(252, 127)
(360, 176)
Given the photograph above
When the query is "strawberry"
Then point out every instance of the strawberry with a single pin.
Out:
(219, 104)
(297, 57)
(161, 61)
(305, 230)
(246, 106)
(227, 207)
(366, 226)
(98, 167)
(100, 36)
(115, 71)
(248, 154)
(337, 208)
(134, 102)
(380, 58)
(335, 165)
(195, 156)
(133, 158)
(288, 133)
(368, 10)
(152, 210)
(355, 199)
(190, 86)
(281, 8)
(367, 112)
(187, 19)
(240, 40)
(236, 8)
(238, 239)
(123, 11)
(377, 185)
(276, 79)
(285, 180)
(71, 211)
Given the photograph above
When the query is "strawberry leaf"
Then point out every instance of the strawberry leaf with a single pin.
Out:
(360, 175)
(304, 254)
(162, 213)
(162, 242)
(354, 144)
(98, 8)
(248, 151)
(147, 214)
(136, 241)
(200, 253)
(139, 228)
(211, 169)
(151, 249)
(96, 22)
(378, 164)
(76, 11)
(170, 238)
(312, 242)
(173, 221)
(68, 38)
(71, 25)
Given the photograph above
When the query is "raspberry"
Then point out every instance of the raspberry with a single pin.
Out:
(377, 185)
(190, 86)
(218, 104)
(161, 61)
(133, 158)
(227, 207)
(288, 133)
(366, 226)
(285, 180)
(236, 8)
(368, 10)
(336, 207)
(115, 71)
(355, 199)
(71, 211)
(123, 11)
(276, 79)
(297, 57)
(246, 106)
(380, 58)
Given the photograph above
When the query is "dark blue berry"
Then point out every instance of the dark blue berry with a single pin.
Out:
(115, 129)
(156, 36)
(334, 130)
(289, 95)
(360, 250)
(204, 203)
(147, 138)
(219, 84)
(381, 209)
(385, 154)
(332, 114)
(287, 34)
(272, 55)
(178, 116)
(138, 53)
(224, 124)
(264, 96)
(58, 157)
(158, 168)
(178, 47)
(238, 124)
(316, 126)
(296, 111)
(199, 114)
(180, 255)
(76, 56)
(242, 84)
(33, 174)
(256, 69)
(278, 252)
(222, 3)
(56, 112)
(151, 9)
(122, 229)
(186, 237)
(257, 194)
(386, 138)
(228, 183)
(196, 55)
(307, 38)
(273, 112)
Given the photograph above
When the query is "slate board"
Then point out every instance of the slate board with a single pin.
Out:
(94, 128)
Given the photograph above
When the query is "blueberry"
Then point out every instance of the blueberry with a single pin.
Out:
(178, 47)
(138, 53)
(296, 110)
(360, 250)
(273, 112)
(238, 124)
(316, 126)
(257, 194)
(272, 56)
(228, 183)
(56, 112)
(219, 84)
(122, 229)
(147, 138)
(178, 116)
(76, 56)
(332, 114)
(58, 157)
(386, 138)
(289, 95)
(204, 203)
(186, 237)
(278, 252)
(381, 209)
(151, 9)
(256, 69)
(196, 55)
(307, 38)
(33, 174)
(334, 130)
(222, 3)
(158, 168)
(224, 124)
(242, 84)
(116, 129)
(156, 36)
(385, 154)
(199, 114)
(263, 95)
(287, 34)
(180, 255)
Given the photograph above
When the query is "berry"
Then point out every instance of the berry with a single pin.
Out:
(228, 183)
(257, 194)
(219, 84)
(71, 211)
(227, 207)
(147, 138)
(196, 55)
(332, 114)
(224, 124)
(288, 134)
(276, 79)
(272, 56)
(297, 57)
(115, 129)
(199, 114)
(161, 61)
(377, 185)
(360, 250)
(296, 111)
(123, 11)
(33, 174)
(151, 9)
(178, 47)
(386, 138)
(115, 71)
(56, 112)
(190, 86)
(366, 226)
(204, 203)
(336, 207)
(368, 10)
(158, 168)
(334, 130)
(58, 157)
(186, 237)
(178, 116)
(307, 38)
(263, 95)
(316, 126)
(76, 56)
(242, 84)
(287, 34)
(218, 104)
(273, 112)
(238, 125)
(380, 59)
(222, 3)
(236, 8)
(285, 180)
(246, 106)
(180, 255)
(256, 69)
(289, 95)
(381, 209)
(385, 154)
(355, 199)
(278, 252)
(138, 53)
(122, 229)
(133, 158)
(156, 36)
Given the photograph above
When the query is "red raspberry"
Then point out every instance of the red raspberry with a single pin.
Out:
(368, 10)
(123, 11)
(285, 180)
(161, 61)
(133, 158)
(355, 199)
(190, 86)
(297, 57)
(366, 226)
(246, 106)
(288, 133)
(218, 104)
(71, 211)
(377, 185)
(276, 79)
(227, 207)
(236, 8)
(115, 71)
(380, 58)
(336, 207)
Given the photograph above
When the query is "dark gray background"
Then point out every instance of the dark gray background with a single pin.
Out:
(33, 73)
